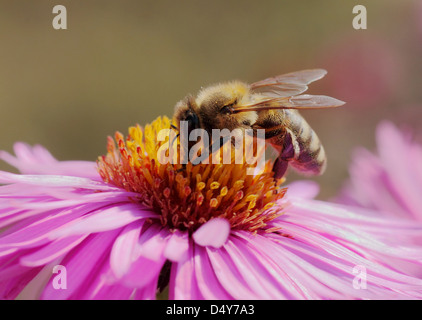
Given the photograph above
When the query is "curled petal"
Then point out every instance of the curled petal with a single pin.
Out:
(177, 246)
(37, 160)
(214, 233)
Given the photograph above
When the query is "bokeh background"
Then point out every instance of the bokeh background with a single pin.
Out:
(126, 62)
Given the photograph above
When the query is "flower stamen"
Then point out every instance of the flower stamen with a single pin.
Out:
(188, 196)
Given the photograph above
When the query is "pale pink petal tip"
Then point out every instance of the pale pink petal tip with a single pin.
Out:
(214, 233)
(306, 189)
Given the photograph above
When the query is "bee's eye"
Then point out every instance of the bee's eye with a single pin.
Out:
(225, 110)
(228, 109)
(193, 121)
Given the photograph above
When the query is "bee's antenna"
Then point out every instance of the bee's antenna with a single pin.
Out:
(177, 136)
(172, 126)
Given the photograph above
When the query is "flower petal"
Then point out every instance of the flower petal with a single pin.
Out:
(213, 233)
(183, 282)
(305, 189)
(104, 219)
(231, 275)
(36, 233)
(152, 242)
(51, 251)
(37, 160)
(122, 253)
(207, 282)
(81, 265)
(177, 246)
(102, 288)
(142, 272)
(147, 292)
(54, 181)
(11, 286)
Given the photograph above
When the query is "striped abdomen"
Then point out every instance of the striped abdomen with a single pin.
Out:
(309, 155)
(297, 144)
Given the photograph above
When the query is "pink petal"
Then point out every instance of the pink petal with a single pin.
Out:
(380, 274)
(230, 275)
(177, 246)
(395, 151)
(36, 233)
(142, 272)
(183, 282)
(48, 202)
(214, 233)
(51, 251)
(207, 282)
(54, 181)
(307, 274)
(147, 292)
(104, 219)
(153, 241)
(102, 289)
(122, 253)
(261, 275)
(12, 269)
(305, 189)
(149, 257)
(82, 265)
(37, 160)
(33, 289)
(10, 287)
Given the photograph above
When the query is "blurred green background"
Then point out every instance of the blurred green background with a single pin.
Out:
(126, 62)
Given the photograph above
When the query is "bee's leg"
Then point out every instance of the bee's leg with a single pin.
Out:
(269, 132)
(279, 168)
(218, 144)
(286, 154)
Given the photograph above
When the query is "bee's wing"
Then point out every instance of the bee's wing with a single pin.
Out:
(307, 101)
(304, 101)
(289, 84)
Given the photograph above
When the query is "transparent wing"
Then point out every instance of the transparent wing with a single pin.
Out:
(304, 101)
(289, 84)
(307, 101)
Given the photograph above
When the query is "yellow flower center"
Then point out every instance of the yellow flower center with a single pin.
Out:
(186, 196)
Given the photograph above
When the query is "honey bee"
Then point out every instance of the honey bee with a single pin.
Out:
(271, 104)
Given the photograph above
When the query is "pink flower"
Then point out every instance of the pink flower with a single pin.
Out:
(115, 245)
(389, 181)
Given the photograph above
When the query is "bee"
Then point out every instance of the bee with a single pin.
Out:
(271, 104)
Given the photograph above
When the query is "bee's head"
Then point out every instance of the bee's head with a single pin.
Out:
(186, 110)
(216, 106)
